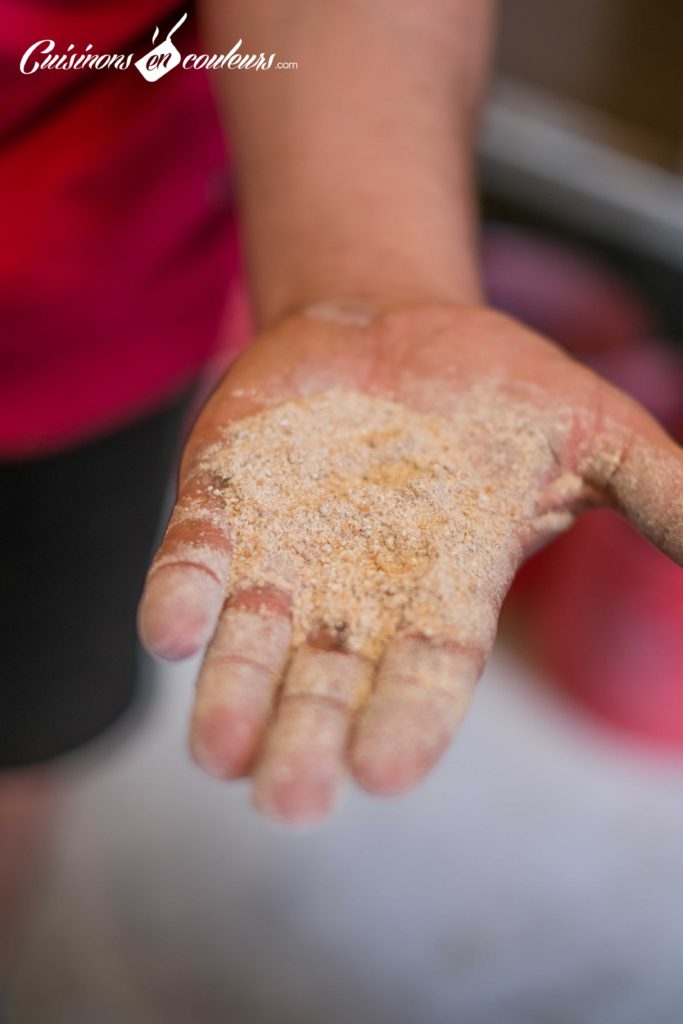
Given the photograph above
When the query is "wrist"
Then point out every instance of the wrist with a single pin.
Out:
(361, 288)
(363, 282)
(397, 236)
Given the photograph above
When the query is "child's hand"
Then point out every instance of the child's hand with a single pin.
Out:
(590, 444)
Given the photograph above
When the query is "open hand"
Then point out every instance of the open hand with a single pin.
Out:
(541, 438)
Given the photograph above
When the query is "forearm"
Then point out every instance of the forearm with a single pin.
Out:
(355, 169)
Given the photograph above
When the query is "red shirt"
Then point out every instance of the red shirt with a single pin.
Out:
(117, 243)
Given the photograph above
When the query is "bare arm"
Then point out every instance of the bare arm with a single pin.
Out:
(356, 187)
(355, 169)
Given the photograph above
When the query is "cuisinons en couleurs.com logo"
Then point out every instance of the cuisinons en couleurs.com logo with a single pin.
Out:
(45, 55)
(163, 58)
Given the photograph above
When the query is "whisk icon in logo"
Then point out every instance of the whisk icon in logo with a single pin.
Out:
(163, 58)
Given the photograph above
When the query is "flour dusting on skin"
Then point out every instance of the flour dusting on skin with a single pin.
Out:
(375, 517)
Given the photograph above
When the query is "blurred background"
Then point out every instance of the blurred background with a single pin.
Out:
(536, 877)
(581, 165)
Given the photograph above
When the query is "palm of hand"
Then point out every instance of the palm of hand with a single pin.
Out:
(537, 439)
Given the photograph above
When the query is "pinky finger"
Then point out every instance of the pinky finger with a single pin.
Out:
(185, 587)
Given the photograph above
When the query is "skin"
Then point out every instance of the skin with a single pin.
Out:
(288, 717)
(356, 193)
(354, 171)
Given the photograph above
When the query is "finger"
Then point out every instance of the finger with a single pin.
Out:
(422, 691)
(639, 468)
(185, 587)
(237, 682)
(303, 763)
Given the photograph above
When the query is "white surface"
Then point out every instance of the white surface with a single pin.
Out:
(537, 878)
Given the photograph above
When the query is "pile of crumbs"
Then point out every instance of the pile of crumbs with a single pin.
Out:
(376, 517)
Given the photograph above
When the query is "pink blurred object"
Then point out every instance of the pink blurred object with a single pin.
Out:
(604, 613)
(561, 292)
(651, 371)
(603, 610)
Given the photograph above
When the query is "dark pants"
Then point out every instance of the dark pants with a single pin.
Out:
(76, 533)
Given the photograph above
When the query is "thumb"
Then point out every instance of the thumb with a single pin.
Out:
(639, 468)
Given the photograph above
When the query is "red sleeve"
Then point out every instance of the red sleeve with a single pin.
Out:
(118, 242)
